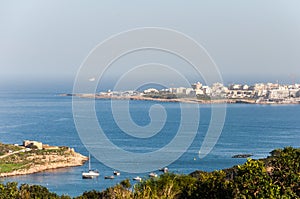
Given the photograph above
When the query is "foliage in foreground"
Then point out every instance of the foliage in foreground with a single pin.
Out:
(277, 176)
(11, 190)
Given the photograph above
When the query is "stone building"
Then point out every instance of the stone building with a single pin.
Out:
(30, 144)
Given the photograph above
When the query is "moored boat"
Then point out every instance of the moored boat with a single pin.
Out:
(153, 175)
(90, 173)
(165, 169)
(137, 178)
(109, 177)
(117, 173)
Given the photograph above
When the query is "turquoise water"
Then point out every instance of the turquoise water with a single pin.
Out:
(47, 117)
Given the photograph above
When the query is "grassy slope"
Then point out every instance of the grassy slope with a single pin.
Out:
(25, 160)
(4, 148)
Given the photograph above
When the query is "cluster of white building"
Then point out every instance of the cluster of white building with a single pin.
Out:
(269, 91)
(259, 91)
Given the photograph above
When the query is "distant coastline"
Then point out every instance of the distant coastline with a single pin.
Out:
(217, 93)
(193, 100)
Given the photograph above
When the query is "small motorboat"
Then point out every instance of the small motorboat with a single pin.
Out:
(109, 177)
(117, 173)
(137, 178)
(152, 175)
(165, 169)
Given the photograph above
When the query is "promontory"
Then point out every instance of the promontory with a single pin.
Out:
(33, 157)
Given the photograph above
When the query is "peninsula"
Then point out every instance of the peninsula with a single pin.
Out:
(260, 93)
(33, 157)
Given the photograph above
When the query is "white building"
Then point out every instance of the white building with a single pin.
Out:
(197, 86)
(189, 91)
(180, 90)
(219, 89)
(150, 90)
(206, 90)
(245, 87)
(279, 93)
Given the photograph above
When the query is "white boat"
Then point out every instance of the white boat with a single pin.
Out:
(91, 173)
(165, 169)
(109, 177)
(117, 173)
(137, 178)
(152, 175)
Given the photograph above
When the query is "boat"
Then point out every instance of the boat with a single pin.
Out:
(152, 175)
(109, 177)
(117, 173)
(165, 169)
(137, 178)
(91, 173)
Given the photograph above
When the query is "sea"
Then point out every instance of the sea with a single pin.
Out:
(48, 117)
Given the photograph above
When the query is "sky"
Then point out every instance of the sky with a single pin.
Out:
(43, 43)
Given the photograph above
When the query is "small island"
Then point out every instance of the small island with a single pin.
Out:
(33, 157)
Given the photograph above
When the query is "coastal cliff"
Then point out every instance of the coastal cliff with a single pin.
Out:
(24, 161)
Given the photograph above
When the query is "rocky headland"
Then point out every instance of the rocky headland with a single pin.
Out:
(20, 160)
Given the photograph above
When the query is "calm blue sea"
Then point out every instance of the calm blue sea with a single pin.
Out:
(47, 117)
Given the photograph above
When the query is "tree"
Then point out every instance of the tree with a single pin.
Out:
(212, 185)
(9, 191)
(285, 171)
(253, 181)
(125, 183)
(37, 191)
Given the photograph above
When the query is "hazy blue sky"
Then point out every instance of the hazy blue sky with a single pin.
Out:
(46, 41)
